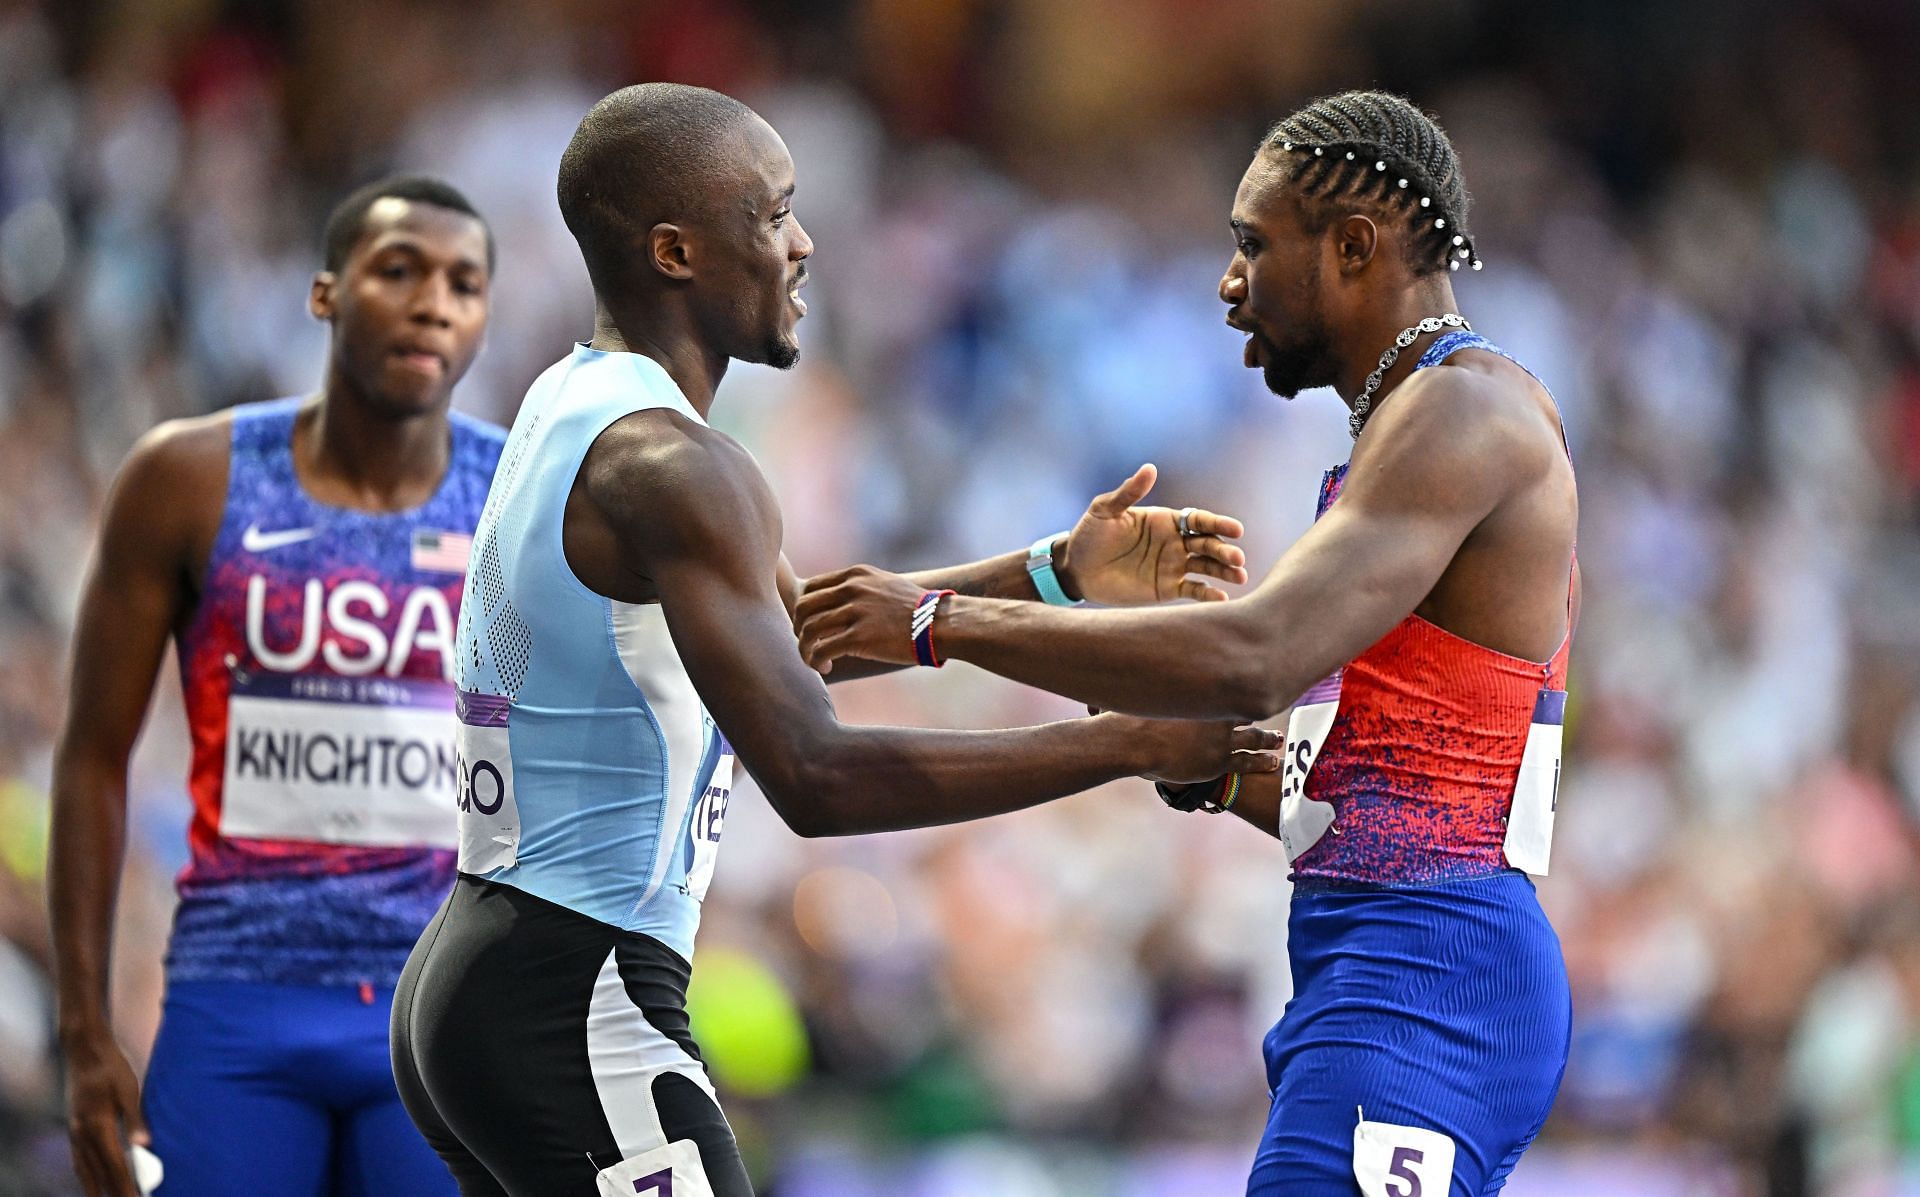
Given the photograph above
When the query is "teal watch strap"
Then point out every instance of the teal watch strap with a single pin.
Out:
(1040, 569)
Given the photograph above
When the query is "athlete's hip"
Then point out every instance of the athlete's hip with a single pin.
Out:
(1456, 976)
(1419, 933)
(481, 910)
(505, 987)
(325, 1042)
(496, 949)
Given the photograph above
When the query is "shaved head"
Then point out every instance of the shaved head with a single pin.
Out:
(646, 154)
(682, 202)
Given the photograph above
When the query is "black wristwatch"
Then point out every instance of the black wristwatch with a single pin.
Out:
(1214, 796)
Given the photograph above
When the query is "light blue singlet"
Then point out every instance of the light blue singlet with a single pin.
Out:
(591, 774)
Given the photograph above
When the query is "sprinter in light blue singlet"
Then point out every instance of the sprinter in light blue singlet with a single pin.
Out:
(627, 578)
(605, 696)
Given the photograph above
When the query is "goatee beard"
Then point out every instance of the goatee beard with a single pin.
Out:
(782, 354)
(1288, 372)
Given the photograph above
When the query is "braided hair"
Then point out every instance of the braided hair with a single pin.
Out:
(1377, 149)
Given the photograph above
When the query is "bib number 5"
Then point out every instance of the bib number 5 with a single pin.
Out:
(1404, 1158)
(1401, 1161)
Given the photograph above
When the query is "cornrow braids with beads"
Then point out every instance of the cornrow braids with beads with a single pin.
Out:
(1378, 149)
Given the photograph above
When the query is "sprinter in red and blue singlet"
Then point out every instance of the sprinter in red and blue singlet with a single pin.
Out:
(307, 556)
(1418, 633)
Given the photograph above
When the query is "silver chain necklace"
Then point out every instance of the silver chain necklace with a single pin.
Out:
(1431, 324)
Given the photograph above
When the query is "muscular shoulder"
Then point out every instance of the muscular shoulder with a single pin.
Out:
(184, 450)
(167, 498)
(668, 482)
(178, 460)
(1462, 427)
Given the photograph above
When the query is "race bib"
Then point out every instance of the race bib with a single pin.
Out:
(671, 1171)
(1536, 792)
(489, 819)
(706, 823)
(367, 761)
(1304, 820)
(1401, 1161)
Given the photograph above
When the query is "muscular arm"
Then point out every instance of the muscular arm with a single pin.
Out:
(692, 512)
(136, 593)
(1435, 465)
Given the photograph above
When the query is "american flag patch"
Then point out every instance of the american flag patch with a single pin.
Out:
(446, 552)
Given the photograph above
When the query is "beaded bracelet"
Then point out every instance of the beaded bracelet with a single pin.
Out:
(1229, 795)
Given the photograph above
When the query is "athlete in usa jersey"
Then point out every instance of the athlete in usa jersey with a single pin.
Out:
(1418, 632)
(317, 672)
(307, 557)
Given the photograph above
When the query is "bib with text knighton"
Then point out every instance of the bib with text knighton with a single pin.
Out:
(365, 761)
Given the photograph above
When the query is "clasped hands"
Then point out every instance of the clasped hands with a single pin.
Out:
(1118, 554)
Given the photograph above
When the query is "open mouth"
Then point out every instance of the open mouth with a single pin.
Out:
(1250, 353)
(793, 292)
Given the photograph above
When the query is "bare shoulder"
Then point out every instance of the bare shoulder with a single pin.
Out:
(165, 506)
(1490, 420)
(672, 480)
(174, 479)
(193, 451)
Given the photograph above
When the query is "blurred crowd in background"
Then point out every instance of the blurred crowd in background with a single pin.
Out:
(1701, 222)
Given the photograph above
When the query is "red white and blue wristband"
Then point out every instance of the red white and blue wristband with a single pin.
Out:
(923, 613)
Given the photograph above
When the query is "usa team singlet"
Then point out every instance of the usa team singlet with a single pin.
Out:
(318, 676)
(1429, 1026)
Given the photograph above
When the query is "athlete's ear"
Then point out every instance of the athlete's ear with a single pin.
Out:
(320, 297)
(1356, 238)
(668, 251)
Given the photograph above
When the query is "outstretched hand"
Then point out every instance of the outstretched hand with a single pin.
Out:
(1118, 554)
(1250, 749)
(1193, 751)
(1124, 555)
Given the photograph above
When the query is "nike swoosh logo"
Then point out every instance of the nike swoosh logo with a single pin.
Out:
(253, 540)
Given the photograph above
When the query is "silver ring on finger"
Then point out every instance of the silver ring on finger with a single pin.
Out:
(1184, 521)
